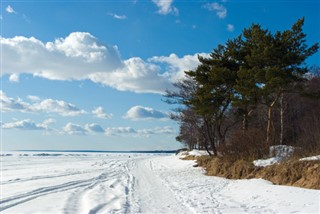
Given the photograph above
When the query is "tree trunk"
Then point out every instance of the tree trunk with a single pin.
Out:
(269, 127)
(281, 119)
(213, 146)
(207, 149)
(245, 122)
(220, 137)
(270, 120)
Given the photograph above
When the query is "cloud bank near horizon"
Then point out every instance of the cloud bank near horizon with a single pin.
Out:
(86, 129)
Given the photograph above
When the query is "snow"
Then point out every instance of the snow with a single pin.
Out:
(135, 183)
(194, 152)
(282, 151)
(267, 162)
(313, 158)
(277, 154)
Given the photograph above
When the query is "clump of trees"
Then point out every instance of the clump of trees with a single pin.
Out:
(252, 92)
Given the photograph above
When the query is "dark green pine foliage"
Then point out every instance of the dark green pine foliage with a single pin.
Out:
(215, 78)
(255, 68)
(277, 62)
(246, 88)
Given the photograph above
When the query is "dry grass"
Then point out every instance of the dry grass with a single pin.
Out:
(293, 172)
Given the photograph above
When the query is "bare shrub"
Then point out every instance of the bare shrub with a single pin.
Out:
(247, 145)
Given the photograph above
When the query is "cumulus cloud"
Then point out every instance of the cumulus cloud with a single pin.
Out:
(220, 10)
(230, 27)
(100, 113)
(74, 129)
(137, 76)
(9, 9)
(39, 106)
(165, 7)
(176, 66)
(93, 127)
(14, 78)
(125, 131)
(73, 57)
(48, 121)
(143, 113)
(119, 131)
(11, 104)
(56, 106)
(24, 125)
(81, 56)
(33, 98)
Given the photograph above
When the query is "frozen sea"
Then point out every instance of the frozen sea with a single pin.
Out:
(94, 182)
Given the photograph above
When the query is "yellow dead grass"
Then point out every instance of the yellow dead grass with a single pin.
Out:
(304, 174)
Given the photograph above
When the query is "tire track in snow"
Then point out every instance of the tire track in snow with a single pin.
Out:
(18, 199)
(25, 197)
(18, 180)
(105, 195)
(149, 193)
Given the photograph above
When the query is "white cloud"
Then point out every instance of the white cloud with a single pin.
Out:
(116, 16)
(83, 45)
(56, 106)
(93, 127)
(156, 131)
(48, 121)
(143, 113)
(24, 125)
(14, 78)
(73, 57)
(81, 56)
(11, 104)
(176, 66)
(39, 106)
(220, 10)
(9, 9)
(137, 76)
(230, 27)
(100, 113)
(125, 131)
(120, 16)
(33, 98)
(119, 131)
(74, 129)
(165, 7)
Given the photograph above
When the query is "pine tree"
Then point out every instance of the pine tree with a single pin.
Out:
(216, 78)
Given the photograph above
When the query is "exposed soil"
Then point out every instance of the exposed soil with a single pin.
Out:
(297, 173)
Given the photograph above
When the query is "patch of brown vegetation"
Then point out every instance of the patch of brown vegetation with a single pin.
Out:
(294, 173)
(189, 157)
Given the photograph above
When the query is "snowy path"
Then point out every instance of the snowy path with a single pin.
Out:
(141, 183)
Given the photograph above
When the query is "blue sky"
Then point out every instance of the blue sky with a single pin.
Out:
(90, 75)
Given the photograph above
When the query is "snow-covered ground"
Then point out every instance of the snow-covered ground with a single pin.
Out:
(313, 158)
(136, 183)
